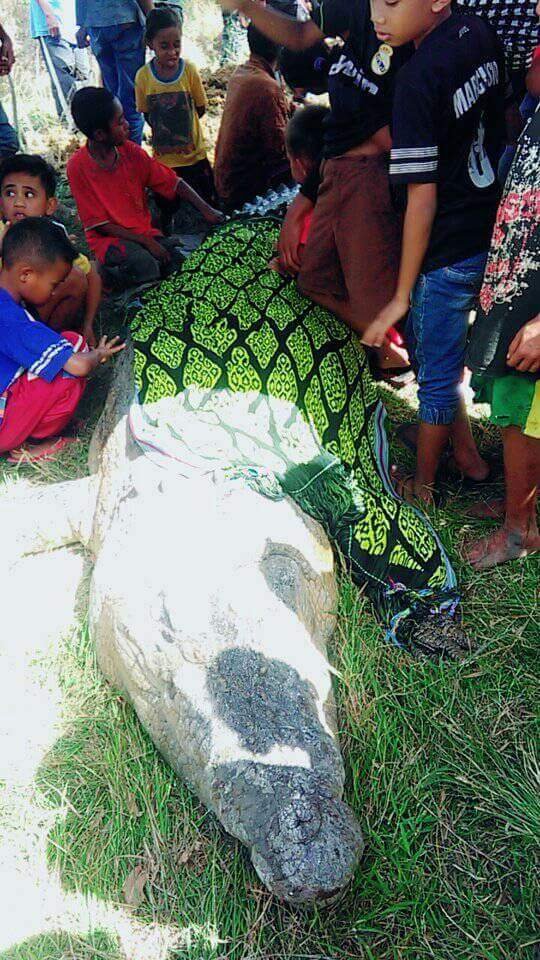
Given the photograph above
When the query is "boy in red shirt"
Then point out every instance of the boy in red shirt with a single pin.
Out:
(108, 178)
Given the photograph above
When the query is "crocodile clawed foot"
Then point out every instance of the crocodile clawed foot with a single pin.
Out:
(438, 637)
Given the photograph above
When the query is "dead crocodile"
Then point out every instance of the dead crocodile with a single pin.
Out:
(222, 652)
(210, 604)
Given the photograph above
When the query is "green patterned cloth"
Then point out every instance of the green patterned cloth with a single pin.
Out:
(238, 373)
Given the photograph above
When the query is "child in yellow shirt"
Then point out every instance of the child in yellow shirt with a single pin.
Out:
(169, 91)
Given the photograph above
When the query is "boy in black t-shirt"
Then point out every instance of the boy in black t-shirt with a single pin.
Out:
(447, 135)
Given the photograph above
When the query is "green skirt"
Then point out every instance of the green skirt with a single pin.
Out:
(514, 400)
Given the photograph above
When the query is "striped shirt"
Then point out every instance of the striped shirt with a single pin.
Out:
(447, 130)
(516, 23)
(27, 345)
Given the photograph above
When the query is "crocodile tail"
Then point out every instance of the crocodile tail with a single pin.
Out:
(424, 621)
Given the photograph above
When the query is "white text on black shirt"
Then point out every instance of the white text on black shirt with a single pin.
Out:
(348, 69)
(482, 79)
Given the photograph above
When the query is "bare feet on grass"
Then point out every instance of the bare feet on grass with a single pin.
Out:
(410, 490)
(502, 546)
(470, 466)
(487, 510)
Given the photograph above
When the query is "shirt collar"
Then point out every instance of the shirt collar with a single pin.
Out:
(439, 30)
(159, 79)
(261, 64)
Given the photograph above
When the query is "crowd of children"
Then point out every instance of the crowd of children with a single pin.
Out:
(391, 230)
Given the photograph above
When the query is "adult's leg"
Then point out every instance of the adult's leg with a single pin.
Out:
(233, 39)
(82, 65)
(128, 50)
(62, 59)
(100, 43)
(9, 141)
(519, 534)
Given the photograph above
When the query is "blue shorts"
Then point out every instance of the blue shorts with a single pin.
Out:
(436, 334)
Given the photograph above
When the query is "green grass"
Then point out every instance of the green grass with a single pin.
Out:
(98, 945)
(442, 774)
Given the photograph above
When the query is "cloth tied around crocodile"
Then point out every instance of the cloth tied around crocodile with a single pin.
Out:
(238, 375)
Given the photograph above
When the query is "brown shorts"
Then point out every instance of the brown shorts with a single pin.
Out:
(353, 248)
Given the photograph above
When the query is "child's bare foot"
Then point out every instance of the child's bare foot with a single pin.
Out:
(410, 490)
(502, 546)
(31, 452)
(471, 466)
(487, 510)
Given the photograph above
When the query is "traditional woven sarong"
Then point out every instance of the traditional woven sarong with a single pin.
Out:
(237, 372)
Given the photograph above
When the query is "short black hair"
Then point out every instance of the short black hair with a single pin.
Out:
(305, 131)
(34, 166)
(161, 18)
(37, 240)
(261, 46)
(305, 68)
(92, 109)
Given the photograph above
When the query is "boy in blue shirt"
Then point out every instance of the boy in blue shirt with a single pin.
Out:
(27, 189)
(447, 134)
(43, 374)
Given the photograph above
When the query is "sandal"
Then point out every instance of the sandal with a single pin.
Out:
(21, 455)
(471, 483)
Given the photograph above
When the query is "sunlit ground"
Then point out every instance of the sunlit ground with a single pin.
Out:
(38, 608)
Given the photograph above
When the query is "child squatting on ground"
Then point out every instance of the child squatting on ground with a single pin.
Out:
(170, 93)
(27, 189)
(43, 374)
(447, 137)
(109, 178)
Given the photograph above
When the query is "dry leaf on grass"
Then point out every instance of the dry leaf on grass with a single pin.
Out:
(131, 804)
(193, 858)
(133, 889)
